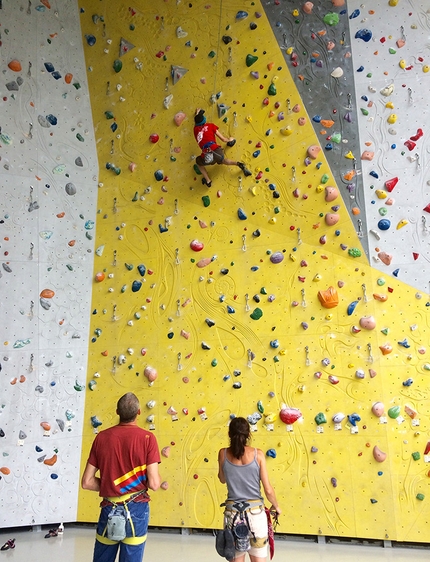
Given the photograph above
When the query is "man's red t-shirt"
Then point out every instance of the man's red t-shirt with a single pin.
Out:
(122, 453)
(205, 134)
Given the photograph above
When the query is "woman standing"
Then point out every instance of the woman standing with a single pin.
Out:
(243, 468)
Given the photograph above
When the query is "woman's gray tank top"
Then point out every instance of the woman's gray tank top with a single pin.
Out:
(243, 480)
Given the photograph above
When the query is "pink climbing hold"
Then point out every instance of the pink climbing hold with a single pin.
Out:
(418, 135)
(410, 145)
(367, 155)
(179, 117)
(391, 184)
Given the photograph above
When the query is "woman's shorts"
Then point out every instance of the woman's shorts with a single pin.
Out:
(258, 523)
(215, 156)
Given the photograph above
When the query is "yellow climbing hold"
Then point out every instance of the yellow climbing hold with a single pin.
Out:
(295, 13)
(393, 2)
(426, 68)
(349, 155)
(389, 105)
(392, 118)
(290, 50)
(286, 131)
(402, 223)
(402, 63)
(249, 118)
(253, 190)
(380, 194)
(272, 220)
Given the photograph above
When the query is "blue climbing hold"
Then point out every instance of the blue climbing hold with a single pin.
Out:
(374, 174)
(364, 98)
(354, 14)
(241, 15)
(162, 228)
(317, 118)
(384, 224)
(353, 419)
(158, 174)
(136, 285)
(241, 214)
(91, 40)
(141, 269)
(329, 146)
(51, 119)
(274, 344)
(49, 66)
(271, 453)
(256, 153)
(351, 307)
(360, 68)
(396, 272)
(364, 34)
(230, 309)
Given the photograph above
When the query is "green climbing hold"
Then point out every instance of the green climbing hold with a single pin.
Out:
(416, 456)
(136, 197)
(336, 137)
(392, 51)
(263, 291)
(331, 18)
(272, 90)
(250, 59)
(129, 266)
(354, 252)
(420, 497)
(108, 114)
(80, 137)
(196, 169)
(260, 407)
(256, 314)
(320, 418)
(325, 178)
(206, 200)
(117, 65)
(385, 331)
(364, 111)
(394, 412)
(214, 362)
(211, 54)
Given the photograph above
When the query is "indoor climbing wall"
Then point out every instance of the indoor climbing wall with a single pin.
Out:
(48, 179)
(255, 296)
(288, 296)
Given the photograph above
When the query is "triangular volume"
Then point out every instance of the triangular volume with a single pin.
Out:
(125, 46)
(178, 72)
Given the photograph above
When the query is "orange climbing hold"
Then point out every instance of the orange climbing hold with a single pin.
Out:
(327, 123)
(5, 470)
(47, 294)
(328, 298)
(46, 3)
(51, 461)
(100, 276)
(68, 78)
(46, 426)
(15, 65)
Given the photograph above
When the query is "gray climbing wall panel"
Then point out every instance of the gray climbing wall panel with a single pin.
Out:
(48, 183)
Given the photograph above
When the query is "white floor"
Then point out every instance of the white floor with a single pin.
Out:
(76, 545)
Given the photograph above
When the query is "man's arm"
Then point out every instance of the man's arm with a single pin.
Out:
(153, 476)
(222, 137)
(89, 479)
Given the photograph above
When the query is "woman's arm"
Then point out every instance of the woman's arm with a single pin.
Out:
(264, 477)
(220, 463)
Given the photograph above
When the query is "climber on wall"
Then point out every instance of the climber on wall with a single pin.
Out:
(212, 153)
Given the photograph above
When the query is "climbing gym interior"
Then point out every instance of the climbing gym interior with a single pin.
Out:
(296, 296)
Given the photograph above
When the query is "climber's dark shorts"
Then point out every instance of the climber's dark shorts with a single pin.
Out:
(210, 158)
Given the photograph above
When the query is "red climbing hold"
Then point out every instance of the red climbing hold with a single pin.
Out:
(410, 145)
(427, 208)
(418, 135)
(391, 184)
(416, 256)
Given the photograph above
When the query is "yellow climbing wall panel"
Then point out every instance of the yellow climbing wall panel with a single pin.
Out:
(199, 327)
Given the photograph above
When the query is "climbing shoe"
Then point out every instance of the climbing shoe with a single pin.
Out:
(231, 143)
(244, 169)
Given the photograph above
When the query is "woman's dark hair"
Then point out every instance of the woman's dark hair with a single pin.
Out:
(239, 433)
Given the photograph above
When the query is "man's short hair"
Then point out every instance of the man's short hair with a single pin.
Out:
(128, 407)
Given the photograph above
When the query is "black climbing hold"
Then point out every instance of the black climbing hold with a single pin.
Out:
(227, 39)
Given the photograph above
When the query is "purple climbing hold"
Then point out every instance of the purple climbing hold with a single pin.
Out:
(348, 117)
(364, 34)
(277, 257)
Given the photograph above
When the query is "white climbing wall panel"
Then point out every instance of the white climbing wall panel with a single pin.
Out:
(48, 186)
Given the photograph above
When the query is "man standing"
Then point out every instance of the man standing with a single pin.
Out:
(127, 458)
(212, 153)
